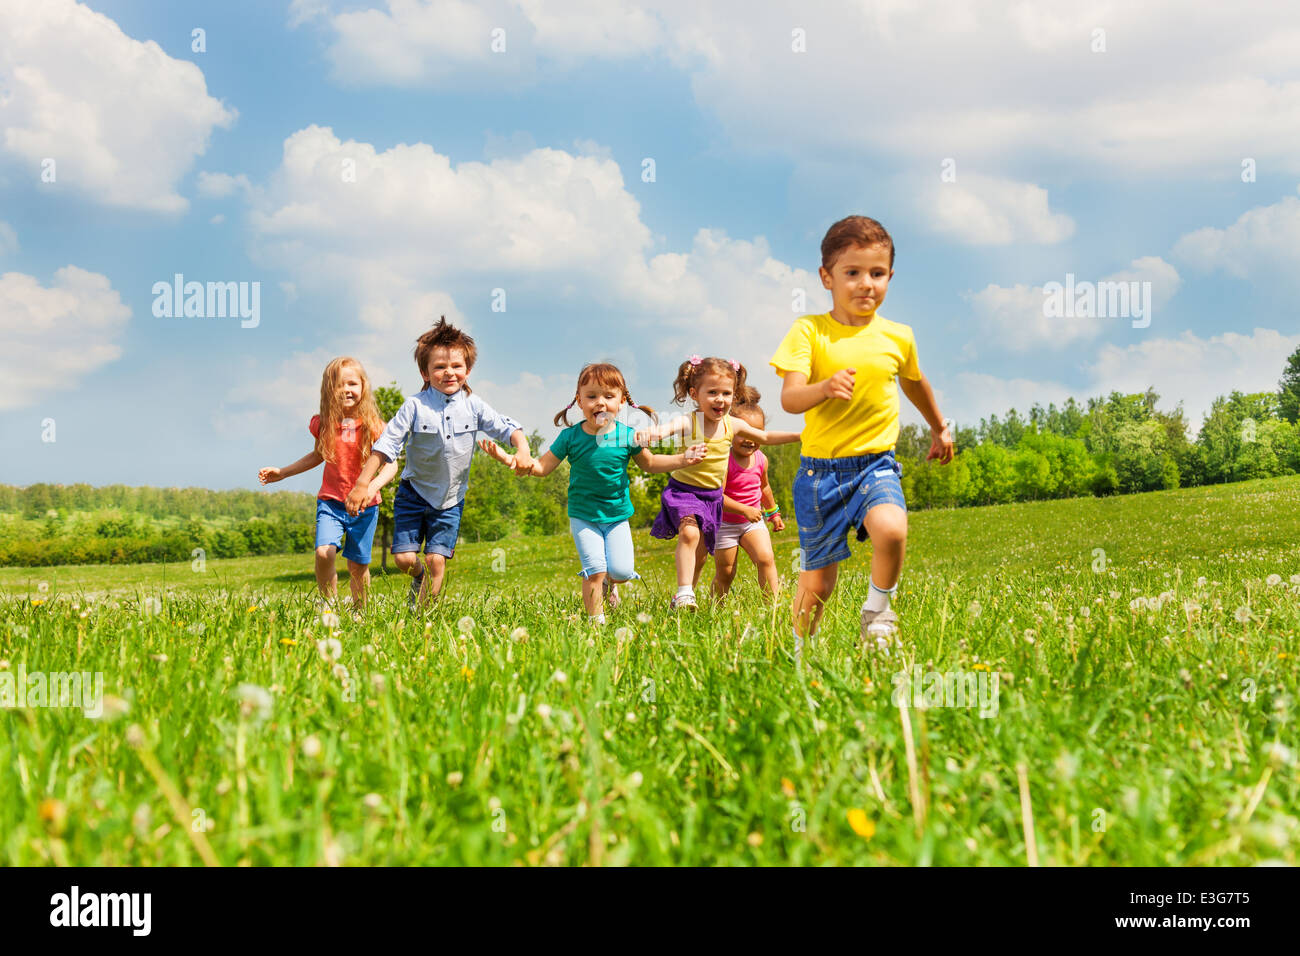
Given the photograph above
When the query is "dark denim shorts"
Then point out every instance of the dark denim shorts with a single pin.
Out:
(832, 497)
(415, 520)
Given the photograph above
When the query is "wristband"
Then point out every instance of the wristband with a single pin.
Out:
(771, 514)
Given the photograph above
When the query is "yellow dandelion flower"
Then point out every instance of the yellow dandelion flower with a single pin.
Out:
(38, 602)
(1283, 656)
(288, 641)
(467, 672)
(861, 823)
(252, 608)
(787, 787)
(981, 666)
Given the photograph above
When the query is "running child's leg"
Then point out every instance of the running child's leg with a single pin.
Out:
(359, 581)
(757, 543)
(887, 526)
(689, 542)
(620, 556)
(435, 566)
(810, 598)
(327, 576)
(724, 570)
(590, 542)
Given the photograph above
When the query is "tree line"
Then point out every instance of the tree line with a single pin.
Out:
(1117, 444)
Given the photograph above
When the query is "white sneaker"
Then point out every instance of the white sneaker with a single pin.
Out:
(682, 600)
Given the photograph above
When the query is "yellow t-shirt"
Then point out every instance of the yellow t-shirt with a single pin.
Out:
(711, 470)
(881, 350)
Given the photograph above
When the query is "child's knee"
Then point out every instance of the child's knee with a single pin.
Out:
(435, 562)
(326, 552)
(358, 570)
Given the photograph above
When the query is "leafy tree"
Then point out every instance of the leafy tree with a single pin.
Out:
(1288, 390)
(389, 399)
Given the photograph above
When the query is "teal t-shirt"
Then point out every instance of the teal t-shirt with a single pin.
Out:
(598, 485)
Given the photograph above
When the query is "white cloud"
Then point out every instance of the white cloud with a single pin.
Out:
(1262, 240)
(55, 335)
(1195, 370)
(1014, 318)
(988, 211)
(8, 239)
(455, 43)
(969, 396)
(122, 120)
(221, 185)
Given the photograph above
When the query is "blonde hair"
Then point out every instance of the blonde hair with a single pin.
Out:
(331, 409)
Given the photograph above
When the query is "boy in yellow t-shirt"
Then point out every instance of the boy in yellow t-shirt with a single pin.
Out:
(839, 368)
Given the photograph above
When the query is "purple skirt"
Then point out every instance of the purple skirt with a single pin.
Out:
(679, 500)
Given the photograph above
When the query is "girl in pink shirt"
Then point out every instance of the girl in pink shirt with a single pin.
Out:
(747, 501)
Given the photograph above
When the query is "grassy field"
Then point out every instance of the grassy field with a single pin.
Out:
(1144, 649)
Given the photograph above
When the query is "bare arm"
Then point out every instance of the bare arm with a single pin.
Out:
(537, 467)
(386, 474)
(654, 464)
(306, 463)
(657, 433)
(357, 497)
(749, 512)
(920, 394)
(742, 429)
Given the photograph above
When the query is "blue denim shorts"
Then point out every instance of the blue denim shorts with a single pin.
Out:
(832, 497)
(415, 520)
(333, 522)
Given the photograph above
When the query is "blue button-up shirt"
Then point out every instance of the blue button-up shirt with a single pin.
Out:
(439, 433)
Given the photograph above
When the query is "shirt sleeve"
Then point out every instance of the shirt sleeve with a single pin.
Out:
(629, 438)
(313, 426)
(499, 427)
(393, 440)
(910, 369)
(794, 354)
(560, 447)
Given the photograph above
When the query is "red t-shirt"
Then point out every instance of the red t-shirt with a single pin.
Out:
(341, 474)
(745, 485)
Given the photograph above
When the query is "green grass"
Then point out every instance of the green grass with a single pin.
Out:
(1149, 735)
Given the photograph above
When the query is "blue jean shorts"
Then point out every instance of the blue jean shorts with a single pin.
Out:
(832, 497)
(604, 548)
(415, 520)
(333, 522)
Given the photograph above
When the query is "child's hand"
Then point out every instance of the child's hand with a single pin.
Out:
(523, 463)
(695, 453)
(751, 513)
(941, 445)
(356, 499)
(644, 437)
(496, 451)
(777, 523)
(840, 385)
(268, 475)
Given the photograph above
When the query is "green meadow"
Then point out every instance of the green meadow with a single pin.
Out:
(1135, 660)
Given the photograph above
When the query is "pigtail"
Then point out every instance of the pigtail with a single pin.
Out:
(562, 416)
(645, 410)
(685, 380)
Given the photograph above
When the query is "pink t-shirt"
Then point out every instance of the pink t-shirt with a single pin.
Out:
(341, 474)
(745, 485)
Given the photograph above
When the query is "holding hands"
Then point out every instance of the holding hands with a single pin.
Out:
(268, 475)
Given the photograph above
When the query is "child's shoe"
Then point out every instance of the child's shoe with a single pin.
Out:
(878, 627)
(682, 601)
(609, 591)
(413, 593)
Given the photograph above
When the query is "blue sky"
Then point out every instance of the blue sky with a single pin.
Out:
(1105, 155)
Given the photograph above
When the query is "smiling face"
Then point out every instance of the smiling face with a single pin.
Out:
(446, 370)
(754, 416)
(713, 395)
(858, 280)
(600, 404)
(351, 388)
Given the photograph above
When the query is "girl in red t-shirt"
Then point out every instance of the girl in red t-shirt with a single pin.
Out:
(346, 427)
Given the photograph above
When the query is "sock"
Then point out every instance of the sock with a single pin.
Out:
(878, 598)
(685, 590)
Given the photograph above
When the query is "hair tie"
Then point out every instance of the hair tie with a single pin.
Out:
(632, 403)
(695, 360)
(735, 366)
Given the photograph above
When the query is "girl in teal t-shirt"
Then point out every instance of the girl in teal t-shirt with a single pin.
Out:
(600, 498)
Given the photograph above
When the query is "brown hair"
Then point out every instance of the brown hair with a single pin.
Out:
(695, 368)
(854, 231)
(446, 336)
(602, 375)
(747, 407)
(331, 409)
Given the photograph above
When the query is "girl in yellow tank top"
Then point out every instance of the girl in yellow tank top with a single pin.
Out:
(691, 504)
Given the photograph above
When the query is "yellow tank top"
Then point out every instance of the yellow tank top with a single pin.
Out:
(711, 471)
